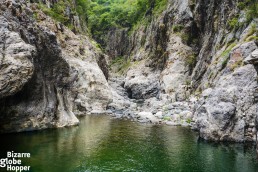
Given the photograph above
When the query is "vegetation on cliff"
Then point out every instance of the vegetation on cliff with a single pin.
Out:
(103, 15)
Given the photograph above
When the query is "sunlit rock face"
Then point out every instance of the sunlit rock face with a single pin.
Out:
(16, 67)
(191, 50)
(48, 75)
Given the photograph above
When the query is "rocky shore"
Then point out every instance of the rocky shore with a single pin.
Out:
(156, 110)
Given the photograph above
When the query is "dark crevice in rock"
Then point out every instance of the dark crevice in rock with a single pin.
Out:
(103, 65)
(130, 93)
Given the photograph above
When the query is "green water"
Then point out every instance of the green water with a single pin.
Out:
(104, 144)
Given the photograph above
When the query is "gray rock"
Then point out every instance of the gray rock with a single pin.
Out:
(15, 61)
(159, 115)
(220, 115)
(148, 116)
(47, 80)
(172, 123)
(252, 58)
(118, 116)
(98, 112)
(141, 83)
(246, 49)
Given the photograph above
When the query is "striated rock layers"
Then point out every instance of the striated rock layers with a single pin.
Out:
(48, 75)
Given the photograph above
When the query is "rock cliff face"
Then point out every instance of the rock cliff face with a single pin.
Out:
(194, 64)
(193, 49)
(48, 74)
(164, 48)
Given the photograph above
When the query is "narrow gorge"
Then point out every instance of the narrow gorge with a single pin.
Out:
(189, 63)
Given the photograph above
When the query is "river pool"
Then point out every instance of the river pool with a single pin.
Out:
(100, 143)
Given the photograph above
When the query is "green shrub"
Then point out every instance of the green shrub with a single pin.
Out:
(233, 23)
(124, 67)
(160, 6)
(188, 82)
(56, 12)
(225, 55)
(227, 51)
(185, 37)
(190, 60)
(224, 63)
(177, 28)
(252, 11)
(251, 8)
(252, 38)
(167, 118)
(121, 64)
(188, 120)
(241, 5)
(105, 15)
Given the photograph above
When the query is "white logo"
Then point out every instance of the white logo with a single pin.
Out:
(12, 163)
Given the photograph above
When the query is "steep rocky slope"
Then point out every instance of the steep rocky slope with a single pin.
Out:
(194, 49)
(48, 75)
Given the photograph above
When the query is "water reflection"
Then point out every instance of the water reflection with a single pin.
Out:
(103, 144)
(60, 149)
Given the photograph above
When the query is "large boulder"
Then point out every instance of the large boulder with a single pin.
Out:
(252, 58)
(225, 112)
(16, 66)
(142, 82)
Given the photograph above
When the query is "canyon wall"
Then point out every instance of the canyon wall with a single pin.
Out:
(48, 74)
(204, 51)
